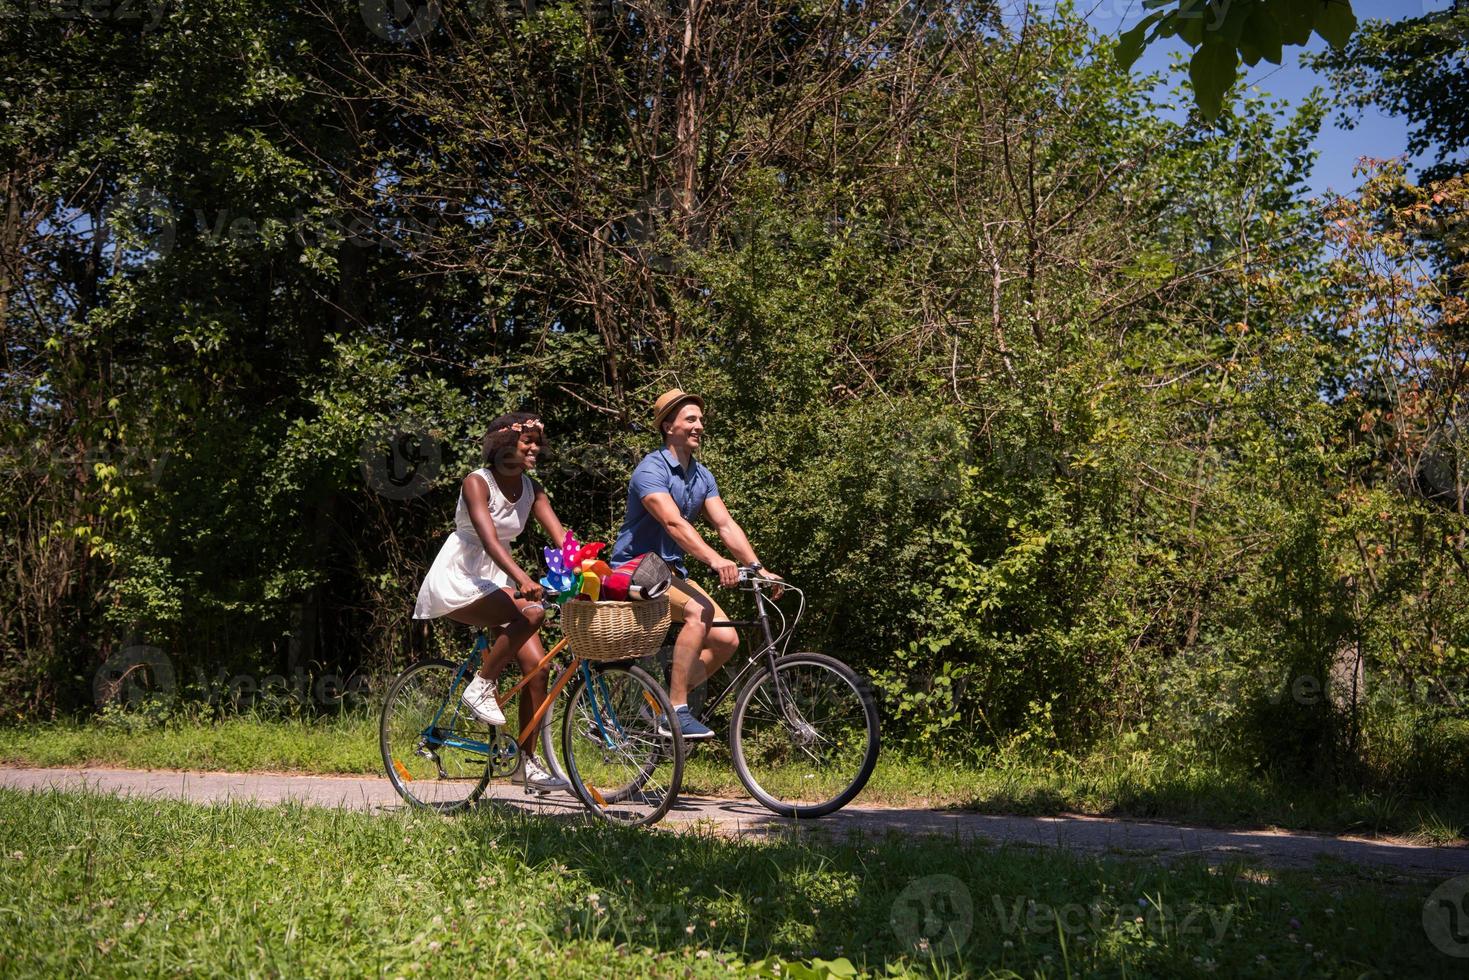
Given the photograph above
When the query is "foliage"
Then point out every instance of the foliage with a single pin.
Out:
(1073, 419)
(1225, 32)
(1418, 68)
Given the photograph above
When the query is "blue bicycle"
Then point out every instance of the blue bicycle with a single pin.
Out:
(621, 764)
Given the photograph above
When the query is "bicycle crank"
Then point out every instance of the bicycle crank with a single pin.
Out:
(504, 756)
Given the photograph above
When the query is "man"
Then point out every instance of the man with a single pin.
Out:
(669, 491)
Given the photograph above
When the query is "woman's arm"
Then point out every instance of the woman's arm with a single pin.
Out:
(541, 510)
(477, 499)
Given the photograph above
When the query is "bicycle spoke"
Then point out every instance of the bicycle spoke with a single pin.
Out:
(436, 753)
(621, 767)
(806, 745)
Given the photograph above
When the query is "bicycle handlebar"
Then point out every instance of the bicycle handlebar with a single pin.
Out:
(545, 602)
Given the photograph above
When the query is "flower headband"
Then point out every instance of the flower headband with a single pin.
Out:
(526, 426)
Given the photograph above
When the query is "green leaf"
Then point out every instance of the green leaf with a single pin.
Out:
(1261, 31)
(1336, 22)
(1190, 24)
(1131, 43)
(1235, 15)
(1212, 70)
(1249, 54)
(1296, 18)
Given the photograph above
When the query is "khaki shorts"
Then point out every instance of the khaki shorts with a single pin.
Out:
(684, 591)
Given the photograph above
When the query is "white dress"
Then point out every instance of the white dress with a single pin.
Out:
(463, 572)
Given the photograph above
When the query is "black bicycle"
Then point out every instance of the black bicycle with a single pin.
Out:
(803, 733)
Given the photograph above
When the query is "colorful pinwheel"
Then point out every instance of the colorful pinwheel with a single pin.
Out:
(569, 548)
(574, 569)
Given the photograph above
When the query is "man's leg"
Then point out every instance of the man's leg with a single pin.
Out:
(701, 648)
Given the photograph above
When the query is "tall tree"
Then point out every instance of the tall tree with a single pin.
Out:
(1417, 68)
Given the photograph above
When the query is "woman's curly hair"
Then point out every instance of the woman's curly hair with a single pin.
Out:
(500, 439)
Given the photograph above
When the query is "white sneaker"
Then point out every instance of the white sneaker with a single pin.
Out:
(534, 778)
(479, 698)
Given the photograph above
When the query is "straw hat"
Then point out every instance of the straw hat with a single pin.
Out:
(668, 401)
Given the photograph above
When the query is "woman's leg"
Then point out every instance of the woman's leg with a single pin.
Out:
(518, 634)
(518, 621)
(534, 692)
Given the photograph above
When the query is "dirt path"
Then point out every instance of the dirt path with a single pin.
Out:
(1095, 835)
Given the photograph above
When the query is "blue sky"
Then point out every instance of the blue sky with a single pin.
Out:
(1339, 148)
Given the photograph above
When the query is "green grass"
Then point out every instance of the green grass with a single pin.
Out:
(1132, 783)
(345, 744)
(95, 885)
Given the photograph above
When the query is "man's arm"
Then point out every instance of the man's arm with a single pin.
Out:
(734, 538)
(665, 512)
(729, 530)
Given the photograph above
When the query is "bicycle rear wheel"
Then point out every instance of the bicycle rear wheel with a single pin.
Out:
(618, 764)
(804, 738)
(436, 753)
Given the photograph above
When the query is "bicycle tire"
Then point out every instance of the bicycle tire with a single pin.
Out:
(551, 725)
(775, 761)
(428, 775)
(619, 765)
(551, 728)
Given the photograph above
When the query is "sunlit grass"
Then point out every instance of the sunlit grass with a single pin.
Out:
(336, 744)
(117, 887)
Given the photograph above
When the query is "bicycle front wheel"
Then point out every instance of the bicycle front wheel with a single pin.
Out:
(618, 763)
(804, 736)
(551, 731)
(436, 753)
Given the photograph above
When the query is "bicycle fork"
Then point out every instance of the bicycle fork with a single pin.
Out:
(802, 729)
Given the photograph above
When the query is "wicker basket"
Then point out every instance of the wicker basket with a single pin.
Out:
(615, 630)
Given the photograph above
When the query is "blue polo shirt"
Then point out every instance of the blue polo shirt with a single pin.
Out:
(660, 472)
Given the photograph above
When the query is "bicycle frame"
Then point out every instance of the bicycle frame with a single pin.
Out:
(527, 735)
(471, 664)
(765, 656)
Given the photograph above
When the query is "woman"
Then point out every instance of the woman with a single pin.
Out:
(474, 578)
